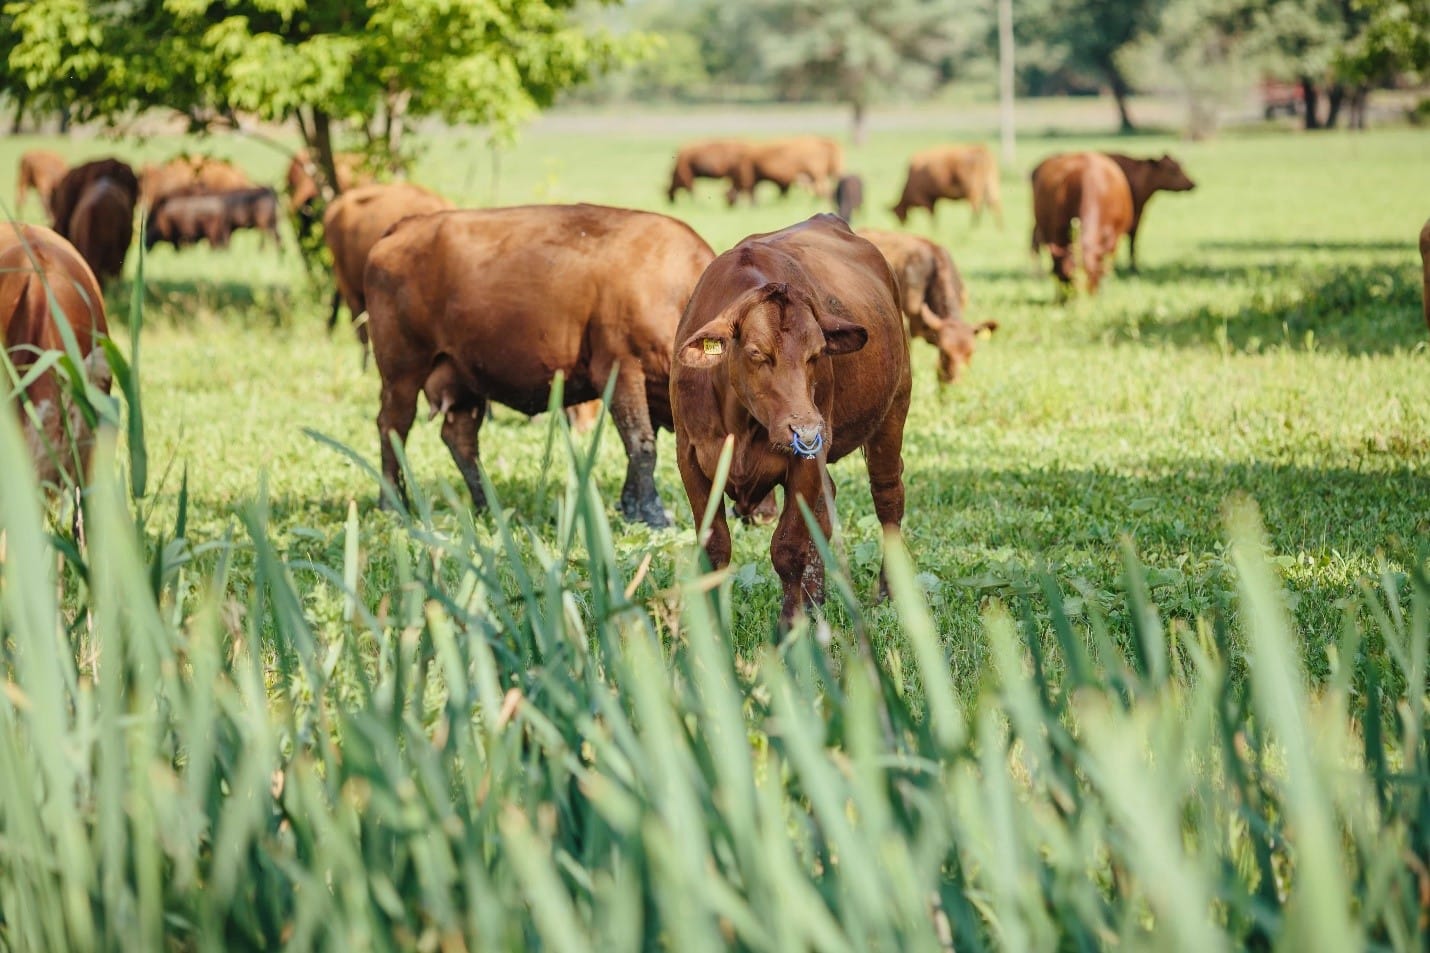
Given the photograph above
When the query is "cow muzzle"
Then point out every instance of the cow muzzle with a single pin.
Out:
(806, 440)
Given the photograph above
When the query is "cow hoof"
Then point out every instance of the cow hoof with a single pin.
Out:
(654, 517)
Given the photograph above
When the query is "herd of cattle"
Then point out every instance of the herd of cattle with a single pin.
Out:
(791, 347)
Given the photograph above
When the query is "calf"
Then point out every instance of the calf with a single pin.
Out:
(933, 298)
(793, 346)
(715, 159)
(951, 172)
(40, 271)
(41, 171)
(1089, 187)
(849, 196)
(1144, 178)
(469, 307)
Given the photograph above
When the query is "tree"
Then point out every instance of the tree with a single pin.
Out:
(326, 64)
(1201, 47)
(1091, 35)
(855, 51)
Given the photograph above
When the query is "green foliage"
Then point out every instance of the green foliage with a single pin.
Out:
(1396, 39)
(374, 65)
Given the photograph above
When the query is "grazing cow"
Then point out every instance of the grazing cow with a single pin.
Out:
(191, 216)
(1425, 262)
(793, 345)
(185, 174)
(849, 196)
(713, 159)
(813, 161)
(38, 267)
(303, 191)
(353, 223)
(951, 172)
(1145, 177)
(40, 170)
(933, 296)
(93, 207)
(1089, 187)
(474, 306)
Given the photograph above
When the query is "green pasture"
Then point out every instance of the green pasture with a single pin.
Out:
(252, 712)
(1271, 346)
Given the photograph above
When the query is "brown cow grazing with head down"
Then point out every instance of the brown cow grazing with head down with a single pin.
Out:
(352, 224)
(475, 306)
(714, 159)
(189, 217)
(1425, 262)
(1089, 187)
(793, 345)
(36, 263)
(40, 170)
(185, 174)
(1146, 177)
(951, 172)
(93, 207)
(812, 161)
(933, 296)
(303, 190)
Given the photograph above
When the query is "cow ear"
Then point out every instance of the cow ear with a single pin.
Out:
(842, 337)
(709, 345)
(986, 328)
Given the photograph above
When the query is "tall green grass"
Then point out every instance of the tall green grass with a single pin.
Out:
(514, 751)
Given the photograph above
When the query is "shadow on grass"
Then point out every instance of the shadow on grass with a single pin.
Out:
(1303, 245)
(273, 301)
(1351, 308)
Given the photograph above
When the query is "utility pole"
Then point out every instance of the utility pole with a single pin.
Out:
(1005, 78)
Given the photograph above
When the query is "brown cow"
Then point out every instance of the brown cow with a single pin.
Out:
(303, 191)
(951, 172)
(184, 174)
(933, 297)
(793, 345)
(188, 217)
(474, 306)
(93, 207)
(40, 170)
(1146, 177)
(813, 161)
(1425, 262)
(36, 263)
(848, 196)
(713, 159)
(353, 223)
(1089, 187)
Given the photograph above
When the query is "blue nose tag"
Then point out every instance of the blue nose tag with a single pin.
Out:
(808, 450)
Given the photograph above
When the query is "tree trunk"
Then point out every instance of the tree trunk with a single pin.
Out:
(22, 98)
(1359, 95)
(1310, 102)
(327, 166)
(857, 136)
(1005, 80)
(1120, 92)
(1334, 99)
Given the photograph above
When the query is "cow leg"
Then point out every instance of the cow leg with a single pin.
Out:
(394, 417)
(698, 487)
(639, 499)
(1132, 249)
(333, 315)
(459, 433)
(1092, 252)
(792, 550)
(885, 458)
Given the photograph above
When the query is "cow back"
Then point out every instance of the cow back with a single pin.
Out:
(513, 295)
(102, 226)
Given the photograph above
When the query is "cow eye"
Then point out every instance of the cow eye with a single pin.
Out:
(756, 356)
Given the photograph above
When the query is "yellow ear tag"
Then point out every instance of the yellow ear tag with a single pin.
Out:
(714, 346)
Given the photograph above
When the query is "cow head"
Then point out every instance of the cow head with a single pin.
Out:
(773, 341)
(1168, 175)
(955, 339)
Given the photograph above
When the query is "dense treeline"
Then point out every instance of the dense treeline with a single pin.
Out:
(1330, 53)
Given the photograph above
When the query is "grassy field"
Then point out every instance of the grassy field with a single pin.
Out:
(1081, 722)
(1271, 346)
